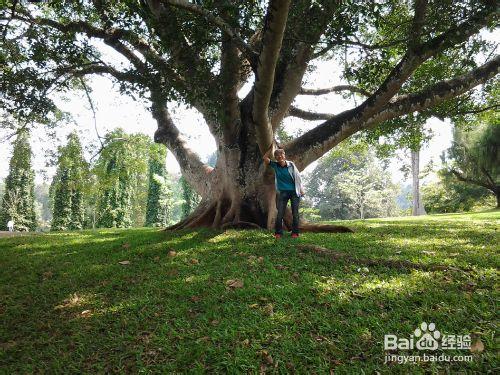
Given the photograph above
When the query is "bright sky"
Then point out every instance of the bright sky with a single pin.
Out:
(114, 110)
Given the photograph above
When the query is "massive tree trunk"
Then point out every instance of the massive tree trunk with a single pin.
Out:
(240, 191)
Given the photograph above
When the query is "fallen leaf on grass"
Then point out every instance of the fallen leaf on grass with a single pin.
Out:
(194, 261)
(85, 312)
(214, 322)
(428, 252)
(477, 346)
(245, 342)
(269, 309)
(124, 262)
(195, 298)
(47, 275)
(234, 283)
(172, 253)
(253, 305)
(8, 345)
(173, 272)
(267, 357)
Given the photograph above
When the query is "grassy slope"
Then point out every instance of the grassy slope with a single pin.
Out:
(296, 310)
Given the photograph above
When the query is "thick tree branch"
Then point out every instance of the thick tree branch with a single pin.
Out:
(418, 23)
(193, 169)
(289, 84)
(325, 136)
(339, 88)
(110, 37)
(316, 142)
(463, 178)
(437, 93)
(230, 75)
(461, 32)
(186, 61)
(308, 115)
(245, 48)
(295, 58)
(414, 57)
(274, 29)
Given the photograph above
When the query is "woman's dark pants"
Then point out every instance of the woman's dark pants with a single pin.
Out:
(281, 202)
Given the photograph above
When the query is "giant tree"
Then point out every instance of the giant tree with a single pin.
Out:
(402, 56)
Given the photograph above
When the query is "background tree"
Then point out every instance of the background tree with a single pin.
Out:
(122, 178)
(19, 196)
(474, 157)
(189, 197)
(448, 194)
(68, 186)
(350, 183)
(403, 57)
(43, 205)
(159, 203)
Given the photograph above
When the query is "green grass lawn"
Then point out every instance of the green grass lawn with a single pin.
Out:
(239, 302)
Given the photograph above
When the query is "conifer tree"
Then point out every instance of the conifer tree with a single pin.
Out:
(159, 191)
(118, 170)
(115, 200)
(474, 157)
(18, 202)
(68, 186)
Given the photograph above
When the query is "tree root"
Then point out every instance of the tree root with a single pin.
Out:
(224, 214)
(324, 228)
(240, 225)
(399, 264)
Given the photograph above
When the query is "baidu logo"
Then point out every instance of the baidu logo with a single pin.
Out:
(427, 336)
